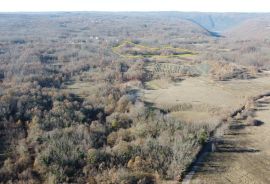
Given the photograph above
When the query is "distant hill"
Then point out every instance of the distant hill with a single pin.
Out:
(103, 26)
(183, 26)
(213, 22)
(253, 29)
(218, 22)
(174, 21)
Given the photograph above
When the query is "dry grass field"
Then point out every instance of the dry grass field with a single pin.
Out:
(243, 154)
(208, 98)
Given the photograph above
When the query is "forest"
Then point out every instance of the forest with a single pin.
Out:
(72, 110)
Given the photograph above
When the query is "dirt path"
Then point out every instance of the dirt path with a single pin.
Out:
(242, 156)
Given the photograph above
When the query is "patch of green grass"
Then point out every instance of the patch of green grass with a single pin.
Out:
(151, 52)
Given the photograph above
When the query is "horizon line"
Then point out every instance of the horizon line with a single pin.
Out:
(131, 11)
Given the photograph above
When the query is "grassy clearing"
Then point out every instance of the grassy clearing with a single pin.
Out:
(212, 96)
(81, 88)
(158, 84)
(131, 50)
(191, 116)
(243, 153)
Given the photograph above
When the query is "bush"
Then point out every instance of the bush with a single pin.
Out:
(112, 138)
(95, 156)
(122, 152)
(203, 136)
(118, 120)
(137, 178)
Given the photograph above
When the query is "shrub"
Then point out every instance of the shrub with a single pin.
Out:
(203, 136)
(118, 120)
(92, 156)
(158, 156)
(136, 177)
(137, 163)
(112, 138)
(95, 156)
(123, 103)
(122, 152)
(115, 124)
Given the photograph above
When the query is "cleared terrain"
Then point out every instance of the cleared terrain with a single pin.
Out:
(202, 98)
(243, 154)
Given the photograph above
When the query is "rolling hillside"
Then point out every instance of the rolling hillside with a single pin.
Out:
(254, 29)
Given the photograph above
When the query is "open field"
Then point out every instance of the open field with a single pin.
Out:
(192, 116)
(133, 50)
(243, 154)
(205, 95)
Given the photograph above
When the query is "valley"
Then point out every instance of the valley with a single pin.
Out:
(134, 98)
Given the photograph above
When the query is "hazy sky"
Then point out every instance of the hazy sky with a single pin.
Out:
(136, 5)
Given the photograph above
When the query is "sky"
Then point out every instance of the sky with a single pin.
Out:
(135, 5)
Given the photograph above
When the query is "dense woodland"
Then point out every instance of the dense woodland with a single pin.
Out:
(51, 134)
